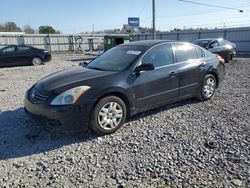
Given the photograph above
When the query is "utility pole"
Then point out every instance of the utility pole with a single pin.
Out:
(154, 35)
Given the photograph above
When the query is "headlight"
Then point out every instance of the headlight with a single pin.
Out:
(70, 96)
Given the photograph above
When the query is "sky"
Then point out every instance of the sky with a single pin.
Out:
(75, 16)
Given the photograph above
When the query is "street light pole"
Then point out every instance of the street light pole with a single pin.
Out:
(154, 34)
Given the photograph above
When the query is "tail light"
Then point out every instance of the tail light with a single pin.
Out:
(221, 59)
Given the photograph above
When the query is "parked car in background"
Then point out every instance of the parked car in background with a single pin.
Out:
(18, 55)
(222, 47)
(125, 80)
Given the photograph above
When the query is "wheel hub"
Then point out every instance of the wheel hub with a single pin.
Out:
(209, 87)
(110, 115)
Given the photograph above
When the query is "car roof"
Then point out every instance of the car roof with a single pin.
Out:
(9, 45)
(14, 45)
(209, 39)
(150, 43)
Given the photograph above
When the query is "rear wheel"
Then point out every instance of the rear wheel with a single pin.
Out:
(208, 87)
(37, 61)
(108, 115)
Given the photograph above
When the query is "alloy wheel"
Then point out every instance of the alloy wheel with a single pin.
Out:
(209, 87)
(110, 115)
(36, 61)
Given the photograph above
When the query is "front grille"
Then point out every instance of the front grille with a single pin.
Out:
(37, 96)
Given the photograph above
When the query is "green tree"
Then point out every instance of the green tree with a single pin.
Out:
(46, 29)
(10, 27)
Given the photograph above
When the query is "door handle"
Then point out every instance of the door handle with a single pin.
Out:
(172, 74)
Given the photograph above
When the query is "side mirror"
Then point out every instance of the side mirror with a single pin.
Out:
(83, 64)
(144, 67)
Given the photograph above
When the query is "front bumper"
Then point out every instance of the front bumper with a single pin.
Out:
(47, 58)
(70, 118)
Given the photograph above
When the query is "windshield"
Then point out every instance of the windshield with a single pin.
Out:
(117, 59)
(202, 43)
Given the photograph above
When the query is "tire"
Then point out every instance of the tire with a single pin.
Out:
(208, 87)
(228, 58)
(231, 57)
(108, 115)
(37, 61)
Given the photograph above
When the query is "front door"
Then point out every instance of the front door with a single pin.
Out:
(159, 85)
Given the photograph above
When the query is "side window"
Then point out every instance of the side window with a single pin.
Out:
(214, 44)
(159, 56)
(8, 50)
(185, 52)
(23, 48)
(200, 52)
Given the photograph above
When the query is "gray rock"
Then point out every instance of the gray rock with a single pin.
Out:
(158, 148)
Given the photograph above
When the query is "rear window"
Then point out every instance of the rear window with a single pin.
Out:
(185, 52)
(200, 52)
(8, 49)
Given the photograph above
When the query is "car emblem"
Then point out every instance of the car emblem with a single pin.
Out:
(33, 94)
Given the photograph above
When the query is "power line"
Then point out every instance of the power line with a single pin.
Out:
(209, 5)
(185, 15)
(145, 5)
(130, 7)
(210, 25)
(200, 13)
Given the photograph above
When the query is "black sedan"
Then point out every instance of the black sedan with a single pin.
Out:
(222, 47)
(123, 81)
(18, 55)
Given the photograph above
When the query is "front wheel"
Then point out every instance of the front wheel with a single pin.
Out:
(108, 115)
(208, 87)
(37, 61)
(229, 57)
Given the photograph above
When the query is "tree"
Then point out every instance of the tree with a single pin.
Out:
(28, 29)
(46, 29)
(2, 28)
(10, 27)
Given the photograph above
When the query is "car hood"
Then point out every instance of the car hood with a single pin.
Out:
(70, 78)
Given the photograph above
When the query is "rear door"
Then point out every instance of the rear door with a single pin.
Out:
(189, 62)
(159, 85)
(7, 56)
(23, 55)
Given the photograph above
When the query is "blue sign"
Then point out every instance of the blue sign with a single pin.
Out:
(134, 22)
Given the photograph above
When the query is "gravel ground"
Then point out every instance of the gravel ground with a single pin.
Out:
(185, 144)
